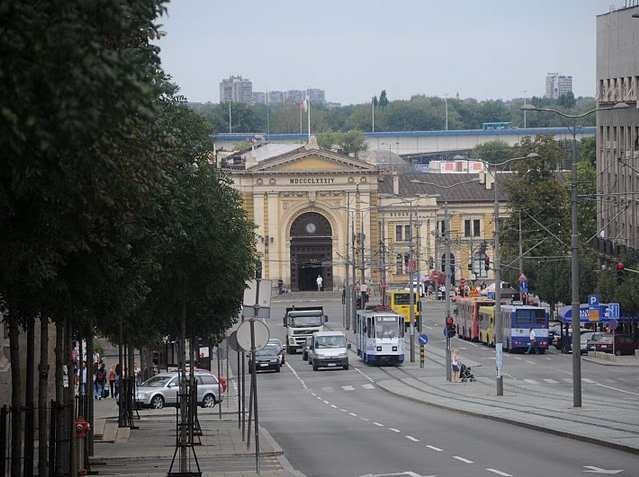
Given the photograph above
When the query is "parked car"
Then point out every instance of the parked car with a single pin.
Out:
(306, 348)
(162, 390)
(267, 358)
(590, 343)
(622, 344)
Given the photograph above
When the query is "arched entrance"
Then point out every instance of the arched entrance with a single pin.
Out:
(311, 252)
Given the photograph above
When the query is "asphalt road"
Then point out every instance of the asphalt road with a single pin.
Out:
(339, 423)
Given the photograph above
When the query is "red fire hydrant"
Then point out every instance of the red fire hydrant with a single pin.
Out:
(81, 433)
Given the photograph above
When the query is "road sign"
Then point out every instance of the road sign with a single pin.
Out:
(614, 310)
(423, 339)
(445, 331)
(523, 286)
(233, 342)
(593, 301)
(243, 335)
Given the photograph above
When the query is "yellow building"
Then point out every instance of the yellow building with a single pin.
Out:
(318, 212)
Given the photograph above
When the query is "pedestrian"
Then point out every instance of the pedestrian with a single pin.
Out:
(533, 341)
(118, 381)
(100, 380)
(280, 286)
(456, 365)
(112, 381)
(319, 281)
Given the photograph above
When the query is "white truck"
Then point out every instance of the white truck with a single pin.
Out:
(301, 322)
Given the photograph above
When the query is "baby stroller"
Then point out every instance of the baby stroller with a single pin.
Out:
(465, 375)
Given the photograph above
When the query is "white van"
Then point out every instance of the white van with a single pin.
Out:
(329, 349)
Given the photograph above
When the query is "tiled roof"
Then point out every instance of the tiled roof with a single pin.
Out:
(444, 185)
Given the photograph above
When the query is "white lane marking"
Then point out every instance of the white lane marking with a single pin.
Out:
(435, 448)
(567, 380)
(517, 357)
(378, 424)
(348, 388)
(297, 376)
(412, 438)
(368, 386)
(333, 406)
(599, 470)
(328, 390)
(547, 358)
(530, 381)
(353, 414)
(365, 419)
(319, 397)
(462, 459)
(364, 374)
(499, 472)
(530, 362)
(394, 430)
(551, 381)
(344, 410)
(617, 389)
(326, 402)
(589, 381)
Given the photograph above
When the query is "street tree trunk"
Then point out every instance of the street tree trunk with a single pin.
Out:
(16, 395)
(28, 400)
(43, 397)
(59, 393)
(183, 411)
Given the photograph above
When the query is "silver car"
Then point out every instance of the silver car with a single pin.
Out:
(162, 390)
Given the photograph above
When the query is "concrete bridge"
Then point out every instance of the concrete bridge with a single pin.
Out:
(415, 143)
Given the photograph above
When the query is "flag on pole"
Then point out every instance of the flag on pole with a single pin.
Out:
(304, 105)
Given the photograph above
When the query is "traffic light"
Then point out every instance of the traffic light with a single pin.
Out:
(486, 262)
(620, 273)
(523, 297)
(451, 327)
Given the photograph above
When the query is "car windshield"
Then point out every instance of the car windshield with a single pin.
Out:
(302, 321)
(157, 381)
(330, 342)
(269, 350)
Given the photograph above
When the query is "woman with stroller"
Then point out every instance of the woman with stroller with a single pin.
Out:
(456, 366)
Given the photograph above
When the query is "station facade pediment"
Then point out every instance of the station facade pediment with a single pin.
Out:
(313, 161)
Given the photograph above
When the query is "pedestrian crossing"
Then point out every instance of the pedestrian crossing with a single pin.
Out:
(332, 389)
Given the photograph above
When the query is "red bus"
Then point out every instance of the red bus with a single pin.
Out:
(468, 316)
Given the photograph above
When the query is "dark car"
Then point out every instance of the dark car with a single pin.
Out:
(618, 344)
(267, 358)
(306, 348)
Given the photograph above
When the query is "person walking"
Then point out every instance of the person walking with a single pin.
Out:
(100, 379)
(532, 344)
(319, 281)
(112, 381)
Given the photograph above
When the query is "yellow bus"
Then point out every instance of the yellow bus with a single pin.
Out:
(399, 302)
(487, 325)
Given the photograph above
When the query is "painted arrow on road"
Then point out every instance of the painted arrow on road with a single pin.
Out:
(599, 470)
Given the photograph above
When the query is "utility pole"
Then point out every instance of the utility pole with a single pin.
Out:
(411, 289)
(353, 301)
(382, 250)
(362, 237)
(446, 235)
(347, 309)
(521, 252)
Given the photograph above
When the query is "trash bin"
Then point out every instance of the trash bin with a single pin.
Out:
(81, 435)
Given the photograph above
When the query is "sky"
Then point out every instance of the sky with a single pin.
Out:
(354, 49)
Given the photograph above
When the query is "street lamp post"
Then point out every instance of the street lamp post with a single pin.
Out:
(446, 108)
(574, 241)
(446, 234)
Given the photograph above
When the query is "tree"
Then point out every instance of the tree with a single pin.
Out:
(383, 100)
(492, 151)
(349, 143)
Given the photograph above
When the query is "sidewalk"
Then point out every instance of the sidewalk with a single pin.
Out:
(154, 442)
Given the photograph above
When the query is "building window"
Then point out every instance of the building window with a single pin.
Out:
(406, 263)
(406, 232)
(399, 264)
(472, 227)
(476, 228)
(466, 228)
(398, 233)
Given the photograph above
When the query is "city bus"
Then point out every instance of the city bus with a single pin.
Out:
(379, 336)
(399, 302)
(497, 125)
(468, 316)
(517, 321)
